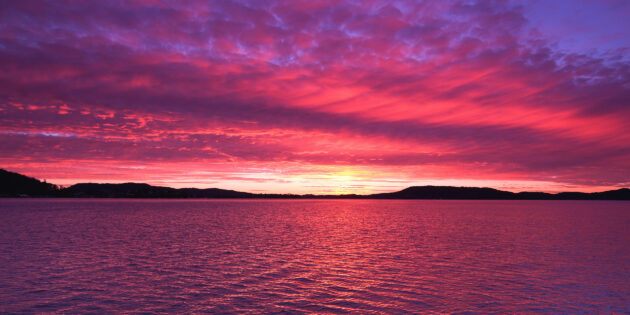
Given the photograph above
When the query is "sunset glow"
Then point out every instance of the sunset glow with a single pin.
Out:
(323, 97)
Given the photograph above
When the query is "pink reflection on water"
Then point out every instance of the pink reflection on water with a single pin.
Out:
(332, 256)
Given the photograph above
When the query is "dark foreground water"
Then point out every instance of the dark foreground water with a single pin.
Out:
(361, 256)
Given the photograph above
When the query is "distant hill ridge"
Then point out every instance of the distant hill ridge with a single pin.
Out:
(14, 185)
(17, 185)
(135, 190)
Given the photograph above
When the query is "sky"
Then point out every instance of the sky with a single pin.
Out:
(314, 96)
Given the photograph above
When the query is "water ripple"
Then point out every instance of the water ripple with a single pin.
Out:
(321, 256)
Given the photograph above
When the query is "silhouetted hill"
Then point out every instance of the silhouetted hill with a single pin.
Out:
(17, 185)
(619, 194)
(131, 190)
(214, 193)
(136, 190)
(449, 192)
(446, 192)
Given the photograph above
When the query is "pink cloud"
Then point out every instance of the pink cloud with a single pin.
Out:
(413, 91)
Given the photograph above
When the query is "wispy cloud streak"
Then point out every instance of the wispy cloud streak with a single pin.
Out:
(413, 91)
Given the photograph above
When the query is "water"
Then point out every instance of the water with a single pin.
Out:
(335, 256)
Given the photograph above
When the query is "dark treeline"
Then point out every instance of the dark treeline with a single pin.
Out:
(14, 184)
(17, 185)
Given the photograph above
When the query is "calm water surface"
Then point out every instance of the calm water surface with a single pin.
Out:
(335, 256)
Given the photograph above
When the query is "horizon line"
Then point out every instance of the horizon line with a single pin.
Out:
(320, 194)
